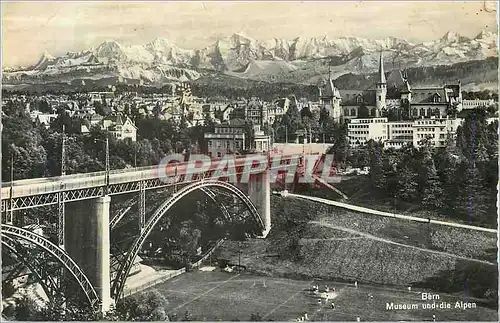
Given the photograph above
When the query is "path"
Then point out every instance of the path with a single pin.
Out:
(372, 237)
(391, 215)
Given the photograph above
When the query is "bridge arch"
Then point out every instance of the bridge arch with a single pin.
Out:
(125, 266)
(11, 239)
(208, 192)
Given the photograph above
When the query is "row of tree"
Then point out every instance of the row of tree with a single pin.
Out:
(458, 180)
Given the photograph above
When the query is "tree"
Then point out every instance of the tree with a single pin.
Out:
(23, 141)
(99, 108)
(44, 107)
(433, 193)
(407, 186)
(149, 306)
(377, 176)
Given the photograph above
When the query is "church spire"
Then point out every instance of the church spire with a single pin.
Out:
(381, 73)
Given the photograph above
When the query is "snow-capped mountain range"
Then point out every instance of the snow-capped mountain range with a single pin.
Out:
(162, 61)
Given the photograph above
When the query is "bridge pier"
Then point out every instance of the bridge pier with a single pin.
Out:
(87, 241)
(259, 191)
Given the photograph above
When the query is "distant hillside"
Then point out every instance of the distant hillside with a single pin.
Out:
(474, 75)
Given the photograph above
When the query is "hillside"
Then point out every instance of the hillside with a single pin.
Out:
(309, 240)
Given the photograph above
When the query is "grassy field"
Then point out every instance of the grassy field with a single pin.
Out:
(216, 296)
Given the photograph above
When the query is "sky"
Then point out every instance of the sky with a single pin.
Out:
(30, 28)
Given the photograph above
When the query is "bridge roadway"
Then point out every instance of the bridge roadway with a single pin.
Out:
(29, 193)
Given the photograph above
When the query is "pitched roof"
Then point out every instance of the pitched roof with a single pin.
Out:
(330, 90)
(396, 80)
(237, 122)
(426, 95)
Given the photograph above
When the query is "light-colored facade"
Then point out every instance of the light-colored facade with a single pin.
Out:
(329, 98)
(255, 111)
(395, 93)
(262, 142)
(362, 130)
(227, 138)
(471, 104)
(120, 127)
(45, 120)
(402, 133)
(435, 129)
(399, 134)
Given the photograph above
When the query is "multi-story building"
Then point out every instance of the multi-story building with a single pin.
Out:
(120, 127)
(395, 93)
(227, 138)
(256, 112)
(435, 129)
(261, 142)
(399, 134)
(471, 104)
(329, 98)
(102, 97)
(277, 110)
(362, 130)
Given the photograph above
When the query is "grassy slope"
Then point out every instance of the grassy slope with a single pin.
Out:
(292, 250)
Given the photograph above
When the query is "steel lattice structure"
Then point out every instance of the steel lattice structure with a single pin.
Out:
(124, 264)
(13, 236)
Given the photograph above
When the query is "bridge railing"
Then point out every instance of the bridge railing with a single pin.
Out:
(46, 185)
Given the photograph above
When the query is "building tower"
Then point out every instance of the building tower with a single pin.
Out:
(329, 97)
(381, 91)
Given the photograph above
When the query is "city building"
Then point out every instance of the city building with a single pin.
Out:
(255, 112)
(102, 97)
(399, 134)
(329, 98)
(395, 95)
(227, 138)
(277, 110)
(472, 104)
(120, 127)
(362, 130)
(435, 129)
(261, 142)
(43, 119)
(396, 134)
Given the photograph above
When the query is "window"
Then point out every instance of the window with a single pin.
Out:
(210, 143)
(219, 154)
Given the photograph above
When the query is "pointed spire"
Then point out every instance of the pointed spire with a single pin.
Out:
(329, 71)
(381, 73)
